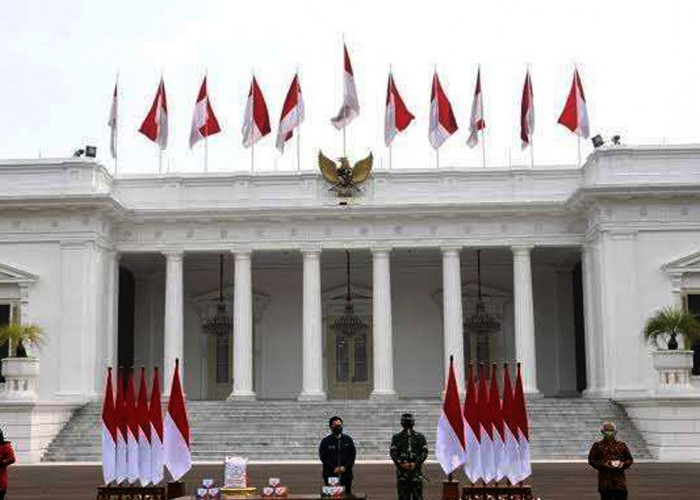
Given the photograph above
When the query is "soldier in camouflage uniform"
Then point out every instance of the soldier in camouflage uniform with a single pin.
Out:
(409, 450)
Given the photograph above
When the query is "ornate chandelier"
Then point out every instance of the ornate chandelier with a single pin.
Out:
(349, 324)
(481, 323)
(220, 324)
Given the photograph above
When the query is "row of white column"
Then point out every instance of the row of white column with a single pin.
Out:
(382, 331)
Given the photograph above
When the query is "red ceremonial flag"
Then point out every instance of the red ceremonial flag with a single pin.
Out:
(523, 427)
(204, 122)
(450, 446)
(113, 123)
(144, 431)
(122, 470)
(442, 119)
(109, 432)
(498, 426)
(527, 113)
(256, 120)
(155, 416)
(511, 446)
(350, 108)
(488, 464)
(397, 116)
(176, 442)
(292, 114)
(132, 442)
(476, 121)
(574, 116)
(155, 125)
(472, 466)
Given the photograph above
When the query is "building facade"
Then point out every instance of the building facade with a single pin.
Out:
(572, 261)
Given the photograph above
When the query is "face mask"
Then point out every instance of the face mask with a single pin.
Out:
(407, 424)
(609, 434)
(337, 429)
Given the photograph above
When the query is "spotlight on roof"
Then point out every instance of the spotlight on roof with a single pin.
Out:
(615, 140)
(91, 151)
(78, 153)
(597, 141)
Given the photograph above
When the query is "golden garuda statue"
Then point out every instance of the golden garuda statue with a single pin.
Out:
(344, 179)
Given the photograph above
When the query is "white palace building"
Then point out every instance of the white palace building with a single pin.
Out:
(125, 271)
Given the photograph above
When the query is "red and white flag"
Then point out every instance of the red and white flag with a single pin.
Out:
(256, 120)
(132, 436)
(176, 443)
(449, 445)
(488, 462)
(511, 462)
(109, 432)
(397, 116)
(113, 122)
(144, 431)
(155, 125)
(442, 119)
(292, 114)
(155, 416)
(523, 427)
(350, 108)
(122, 469)
(204, 122)
(476, 121)
(473, 438)
(498, 426)
(527, 113)
(574, 116)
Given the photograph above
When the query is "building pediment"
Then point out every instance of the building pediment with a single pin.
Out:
(10, 275)
(688, 264)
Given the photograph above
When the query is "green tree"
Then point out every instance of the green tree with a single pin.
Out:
(19, 335)
(672, 321)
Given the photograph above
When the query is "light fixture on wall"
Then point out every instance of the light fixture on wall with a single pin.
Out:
(481, 323)
(349, 324)
(220, 324)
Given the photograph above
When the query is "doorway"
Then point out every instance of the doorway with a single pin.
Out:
(349, 363)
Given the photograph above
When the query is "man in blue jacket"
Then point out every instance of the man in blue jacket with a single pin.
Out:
(337, 453)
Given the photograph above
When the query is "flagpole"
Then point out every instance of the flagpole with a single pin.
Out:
(483, 148)
(252, 112)
(298, 123)
(116, 132)
(345, 111)
(206, 128)
(532, 152)
(437, 157)
(578, 141)
(160, 161)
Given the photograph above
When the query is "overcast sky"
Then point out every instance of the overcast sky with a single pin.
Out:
(58, 59)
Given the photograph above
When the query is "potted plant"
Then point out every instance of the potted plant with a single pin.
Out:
(20, 371)
(672, 364)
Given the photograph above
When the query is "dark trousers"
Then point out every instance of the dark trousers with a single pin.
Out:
(613, 495)
(348, 485)
(410, 490)
(2, 494)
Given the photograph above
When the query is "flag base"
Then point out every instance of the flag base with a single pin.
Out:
(176, 489)
(515, 492)
(450, 490)
(132, 492)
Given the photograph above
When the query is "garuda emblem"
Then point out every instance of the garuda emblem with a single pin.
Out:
(345, 180)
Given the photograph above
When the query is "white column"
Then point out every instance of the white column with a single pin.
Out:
(242, 328)
(312, 354)
(589, 315)
(453, 328)
(383, 358)
(112, 310)
(524, 317)
(173, 335)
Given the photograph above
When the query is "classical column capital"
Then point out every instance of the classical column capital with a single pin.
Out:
(451, 249)
(241, 252)
(310, 248)
(173, 254)
(380, 249)
(521, 250)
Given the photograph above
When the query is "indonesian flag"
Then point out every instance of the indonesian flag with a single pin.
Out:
(109, 433)
(155, 417)
(176, 443)
(132, 441)
(397, 117)
(527, 113)
(442, 119)
(292, 114)
(575, 113)
(113, 123)
(472, 466)
(523, 426)
(499, 427)
(144, 431)
(256, 121)
(488, 464)
(449, 445)
(122, 470)
(204, 122)
(476, 121)
(155, 125)
(511, 462)
(350, 108)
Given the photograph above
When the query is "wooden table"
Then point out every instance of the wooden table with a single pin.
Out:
(291, 496)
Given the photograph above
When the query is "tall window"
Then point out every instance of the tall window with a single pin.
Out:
(222, 359)
(5, 311)
(693, 301)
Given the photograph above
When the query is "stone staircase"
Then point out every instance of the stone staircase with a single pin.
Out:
(290, 430)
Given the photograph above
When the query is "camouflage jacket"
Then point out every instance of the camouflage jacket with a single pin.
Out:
(408, 448)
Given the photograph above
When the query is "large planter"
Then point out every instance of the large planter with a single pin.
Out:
(20, 378)
(674, 371)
